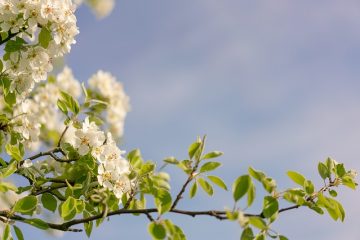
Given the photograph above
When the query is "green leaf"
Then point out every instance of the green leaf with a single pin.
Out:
(9, 170)
(157, 230)
(1, 66)
(340, 170)
(270, 206)
(330, 163)
(218, 181)
(6, 186)
(147, 168)
(171, 160)
(193, 190)
(251, 194)
(14, 45)
(174, 231)
(38, 223)
(258, 223)
(49, 202)
(6, 233)
(163, 201)
(193, 148)
(241, 186)
(309, 187)
(68, 209)
(13, 151)
(281, 237)
(10, 98)
(323, 171)
(62, 106)
(296, 177)
(205, 185)
(45, 37)
(258, 175)
(209, 166)
(247, 234)
(349, 182)
(89, 225)
(70, 102)
(213, 154)
(26, 205)
(18, 233)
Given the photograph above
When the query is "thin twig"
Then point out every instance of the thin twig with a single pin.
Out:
(62, 136)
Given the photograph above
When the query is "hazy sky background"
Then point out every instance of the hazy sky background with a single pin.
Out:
(274, 84)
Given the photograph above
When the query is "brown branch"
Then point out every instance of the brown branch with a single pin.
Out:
(190, 177)
(49, 189)
(52, 154)
(179, 195)
(9, 37)
(62, 136)
(66, 226)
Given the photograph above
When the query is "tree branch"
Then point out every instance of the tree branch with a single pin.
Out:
(66, 226)
(52, 154)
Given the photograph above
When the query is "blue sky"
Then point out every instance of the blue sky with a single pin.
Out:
(274, 84)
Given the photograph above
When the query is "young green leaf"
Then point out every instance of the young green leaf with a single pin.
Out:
(296, 177)
(26, 205)
(213, 154)
(89, 225)
(209, 166)
(38, 223)
(218, 181)
(333, 193)
(281, 237)
(6, 233)
(340, 170)
(309, 187)
(251, 194)
(258, 175)
(205, 185)
(163, 201)
(9, 169)
(247, 234)
(171, 160)
(241, 186)
(18, 233)
(270, 206)
(193, 190)
(157, 230)
(14, 152)
(196, 146)
(45, 37)
(68, 209)
(49, 202)
(323, 171)
(258, 223)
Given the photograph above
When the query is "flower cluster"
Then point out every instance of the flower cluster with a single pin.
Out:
(41, 109)
(51, 22)
(113, 169)
(112, 91)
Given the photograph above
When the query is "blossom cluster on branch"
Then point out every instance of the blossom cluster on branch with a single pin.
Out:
(62, 137)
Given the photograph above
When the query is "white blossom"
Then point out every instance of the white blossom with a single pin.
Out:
(118, 102)
(27, 163)
(87, 137)
(27, 18)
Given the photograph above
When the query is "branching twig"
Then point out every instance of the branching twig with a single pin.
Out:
(66, 226)
(52, 154)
